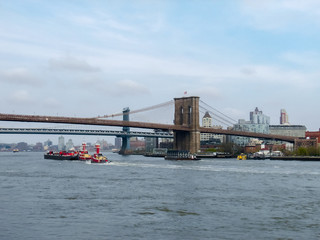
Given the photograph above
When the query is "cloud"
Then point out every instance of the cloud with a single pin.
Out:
(303, 59)
(72, 64)
(91, 81)
(277, 75)
(19, 76)
(101, 21)
(119, 26)
(83, 20)
(51, 103)
(207, 92)
(286, 15)
(103, 26)
(130, 87)
(21, 97)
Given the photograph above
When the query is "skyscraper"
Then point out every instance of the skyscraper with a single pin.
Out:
(284, 119)
(257, 117)
(258, 123)
(61, 143)
(69, 144)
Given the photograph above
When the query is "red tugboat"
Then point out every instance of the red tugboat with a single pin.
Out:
(98, 157)
(84, 155)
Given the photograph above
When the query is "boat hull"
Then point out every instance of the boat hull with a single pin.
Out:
(180, 159)
(98, 161)
(61, 157)
(180, 155)
(84, 159)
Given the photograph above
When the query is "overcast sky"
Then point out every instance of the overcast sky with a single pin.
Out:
(89, 58)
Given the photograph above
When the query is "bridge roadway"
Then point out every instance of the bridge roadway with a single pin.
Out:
(118, 123)
(84, 132)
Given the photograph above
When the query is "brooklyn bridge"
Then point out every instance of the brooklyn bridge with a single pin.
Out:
(185, 129)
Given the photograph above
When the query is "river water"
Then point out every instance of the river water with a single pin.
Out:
(135, 197)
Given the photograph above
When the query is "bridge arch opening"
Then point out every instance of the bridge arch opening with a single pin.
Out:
(181, 115)
(189, 115)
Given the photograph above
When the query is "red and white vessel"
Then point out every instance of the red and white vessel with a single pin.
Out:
(84, 155)
(98, 157)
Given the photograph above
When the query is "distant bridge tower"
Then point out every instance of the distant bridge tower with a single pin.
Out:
(187, 114)
(125, 139)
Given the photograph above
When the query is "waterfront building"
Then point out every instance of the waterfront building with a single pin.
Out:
(38, 147)
(61, 146)
(207, 123)
(69, 145)
(298, 131)
(284, 118)
(151, 143)
(117, 142)
(22, 146)
(210, 137)
(104, 145)
(288, 130)
(137, 144)
(306, 143)
(166, 143)
(313, 135)
(48, 143)
(258, 123)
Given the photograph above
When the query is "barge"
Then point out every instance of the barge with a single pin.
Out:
(180, 155)
(62, 155)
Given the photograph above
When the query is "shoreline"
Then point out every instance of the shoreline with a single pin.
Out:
(296, 158)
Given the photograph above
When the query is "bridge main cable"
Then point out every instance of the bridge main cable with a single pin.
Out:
(139, 110)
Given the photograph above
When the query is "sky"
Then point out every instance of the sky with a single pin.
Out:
(87, 58)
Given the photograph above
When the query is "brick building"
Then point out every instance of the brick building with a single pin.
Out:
(315, 135)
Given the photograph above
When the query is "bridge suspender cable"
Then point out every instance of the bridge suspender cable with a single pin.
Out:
(218, 111)
(216, 118)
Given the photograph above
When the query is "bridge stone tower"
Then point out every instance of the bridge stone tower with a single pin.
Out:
(187, 115)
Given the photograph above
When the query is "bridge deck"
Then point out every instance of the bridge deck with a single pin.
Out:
(84, 132)
(145, 125)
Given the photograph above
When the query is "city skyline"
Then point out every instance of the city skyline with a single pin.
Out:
(89, 58)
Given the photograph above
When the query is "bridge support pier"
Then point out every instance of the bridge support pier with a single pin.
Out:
(125, 140)
(124, 145)
(187, 114)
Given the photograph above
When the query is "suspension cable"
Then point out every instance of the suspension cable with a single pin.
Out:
(139, 110)
(226, 119)
(218, 111)
(217, 117)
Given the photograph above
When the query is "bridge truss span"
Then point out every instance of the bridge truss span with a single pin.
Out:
(84, 132)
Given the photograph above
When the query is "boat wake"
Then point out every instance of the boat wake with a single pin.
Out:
(92, 163)
(215, 168)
